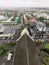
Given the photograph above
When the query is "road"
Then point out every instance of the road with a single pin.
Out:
(4, 61)
(26, 52)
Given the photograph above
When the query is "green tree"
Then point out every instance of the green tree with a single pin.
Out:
(41, 19)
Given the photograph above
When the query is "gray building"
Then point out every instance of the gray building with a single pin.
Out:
(26, 53)
(41, 26)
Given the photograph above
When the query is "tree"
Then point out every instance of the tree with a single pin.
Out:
(41, 19)
(3, 49)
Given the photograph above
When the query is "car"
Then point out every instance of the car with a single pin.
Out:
(9, 56)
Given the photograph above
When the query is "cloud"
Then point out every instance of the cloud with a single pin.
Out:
(41, 1)
(24, 3)
(16, 3)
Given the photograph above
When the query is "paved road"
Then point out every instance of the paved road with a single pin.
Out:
(4, 61)
(26, 52)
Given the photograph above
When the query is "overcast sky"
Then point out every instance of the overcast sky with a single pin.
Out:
(24, 3)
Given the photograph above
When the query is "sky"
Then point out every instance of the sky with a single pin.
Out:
(24, 3)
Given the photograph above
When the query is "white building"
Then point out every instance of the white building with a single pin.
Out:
(1, 28)
(41, 26)
(38, 15)
(2, 17)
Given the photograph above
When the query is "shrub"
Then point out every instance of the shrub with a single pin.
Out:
(41, 19)
(45, 49)
(10, 44)
(47, 46)
(3, 49)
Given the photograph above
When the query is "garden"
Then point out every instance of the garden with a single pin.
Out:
(43, 53)
(7, 47)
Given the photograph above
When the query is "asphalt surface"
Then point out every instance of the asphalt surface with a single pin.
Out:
(26, 52)
(3, 61)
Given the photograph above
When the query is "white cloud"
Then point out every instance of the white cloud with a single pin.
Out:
(24, 3)
(16, 3)
(41, 1)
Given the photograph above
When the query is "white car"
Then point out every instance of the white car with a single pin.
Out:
(9, 56)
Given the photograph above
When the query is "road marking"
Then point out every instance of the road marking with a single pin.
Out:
(27, 50)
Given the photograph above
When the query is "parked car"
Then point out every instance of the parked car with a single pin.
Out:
(9, 56)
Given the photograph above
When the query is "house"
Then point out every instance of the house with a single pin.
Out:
(1, 28)
(41, 26)
(2, 17)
